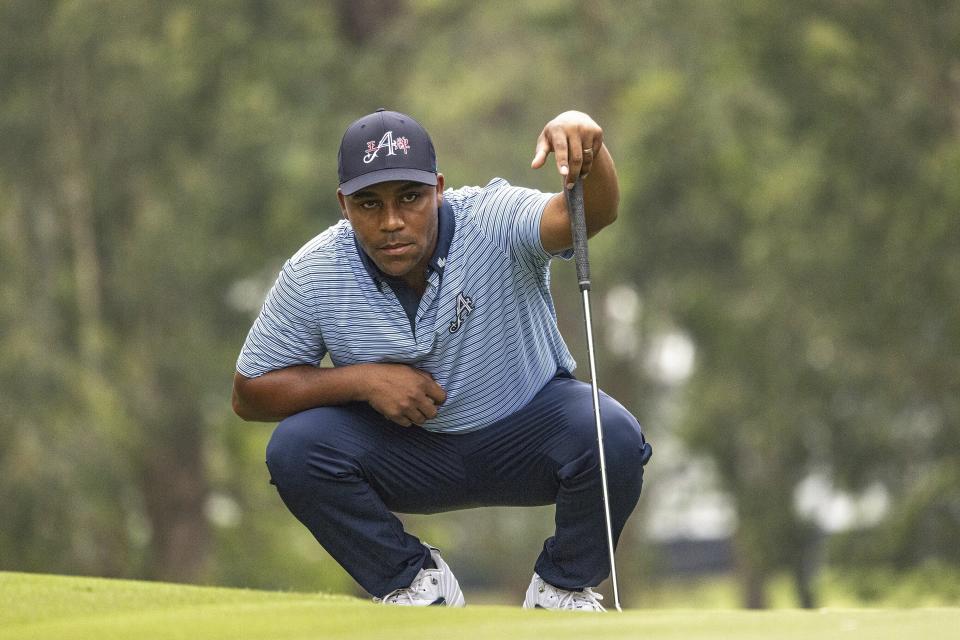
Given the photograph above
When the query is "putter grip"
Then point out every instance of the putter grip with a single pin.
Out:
(578, 227)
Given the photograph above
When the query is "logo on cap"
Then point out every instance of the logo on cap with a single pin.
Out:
(386, 142)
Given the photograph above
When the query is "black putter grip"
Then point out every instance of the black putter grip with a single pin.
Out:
(578, 227)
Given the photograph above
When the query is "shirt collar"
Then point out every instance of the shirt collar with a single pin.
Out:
(445, 228)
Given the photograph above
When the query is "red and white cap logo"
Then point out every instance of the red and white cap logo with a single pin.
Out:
(386, 142)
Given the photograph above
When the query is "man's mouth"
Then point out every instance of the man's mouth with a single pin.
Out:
(396, 248)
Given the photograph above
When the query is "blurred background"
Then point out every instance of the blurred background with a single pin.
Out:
(779, 301)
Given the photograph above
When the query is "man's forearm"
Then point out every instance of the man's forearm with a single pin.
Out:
(284, 392)
(601, 193)
(400, 392)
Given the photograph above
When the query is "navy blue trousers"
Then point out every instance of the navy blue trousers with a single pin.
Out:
(343, 471)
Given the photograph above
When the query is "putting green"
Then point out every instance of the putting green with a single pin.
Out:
(69, 608)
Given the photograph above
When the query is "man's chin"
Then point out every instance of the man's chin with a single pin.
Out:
(395, 269)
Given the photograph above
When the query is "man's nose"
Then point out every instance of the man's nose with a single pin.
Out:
(391, 219)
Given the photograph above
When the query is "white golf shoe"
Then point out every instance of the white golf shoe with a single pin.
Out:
(431, 587)
(543, 595)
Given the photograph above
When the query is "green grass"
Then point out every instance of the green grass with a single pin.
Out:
(931, 585)
(68, 608)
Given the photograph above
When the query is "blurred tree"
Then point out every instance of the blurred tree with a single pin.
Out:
(798, 221)
(149, 148)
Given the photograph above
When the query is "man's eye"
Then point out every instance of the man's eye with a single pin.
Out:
(368, 204)
(407, 198)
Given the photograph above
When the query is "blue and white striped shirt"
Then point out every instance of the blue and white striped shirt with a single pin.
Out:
(485, 328)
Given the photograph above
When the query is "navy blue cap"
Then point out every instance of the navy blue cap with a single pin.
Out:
(383, 146)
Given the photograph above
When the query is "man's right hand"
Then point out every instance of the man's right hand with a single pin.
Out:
(402, 394)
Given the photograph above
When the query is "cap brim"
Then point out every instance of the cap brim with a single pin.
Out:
(386, 175)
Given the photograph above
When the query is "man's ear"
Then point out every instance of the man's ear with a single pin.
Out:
(439, 189)
(343, 204)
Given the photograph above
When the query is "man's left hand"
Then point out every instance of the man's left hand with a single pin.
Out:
(575, 139)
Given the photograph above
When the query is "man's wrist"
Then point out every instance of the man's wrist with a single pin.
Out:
(357, 382)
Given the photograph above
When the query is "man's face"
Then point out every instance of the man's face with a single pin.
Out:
(396, 224)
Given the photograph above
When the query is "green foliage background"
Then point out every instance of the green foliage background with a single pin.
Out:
(790, 204)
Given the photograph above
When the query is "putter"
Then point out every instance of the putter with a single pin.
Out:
(578, 226)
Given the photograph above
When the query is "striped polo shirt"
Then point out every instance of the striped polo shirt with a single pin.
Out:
(485, 327)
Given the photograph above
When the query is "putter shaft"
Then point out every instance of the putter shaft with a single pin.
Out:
(578, 230)
(603, 463)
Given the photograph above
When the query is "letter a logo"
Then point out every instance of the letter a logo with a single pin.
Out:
(386, 142)
(464, 309)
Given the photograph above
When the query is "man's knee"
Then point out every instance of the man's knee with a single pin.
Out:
(286, 451)
(624, 445)
(306, 444)
(625, 450)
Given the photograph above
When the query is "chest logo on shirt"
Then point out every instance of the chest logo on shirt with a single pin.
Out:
(464, 309)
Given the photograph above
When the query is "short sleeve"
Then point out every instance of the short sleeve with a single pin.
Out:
(286, 332)
(511, 217)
